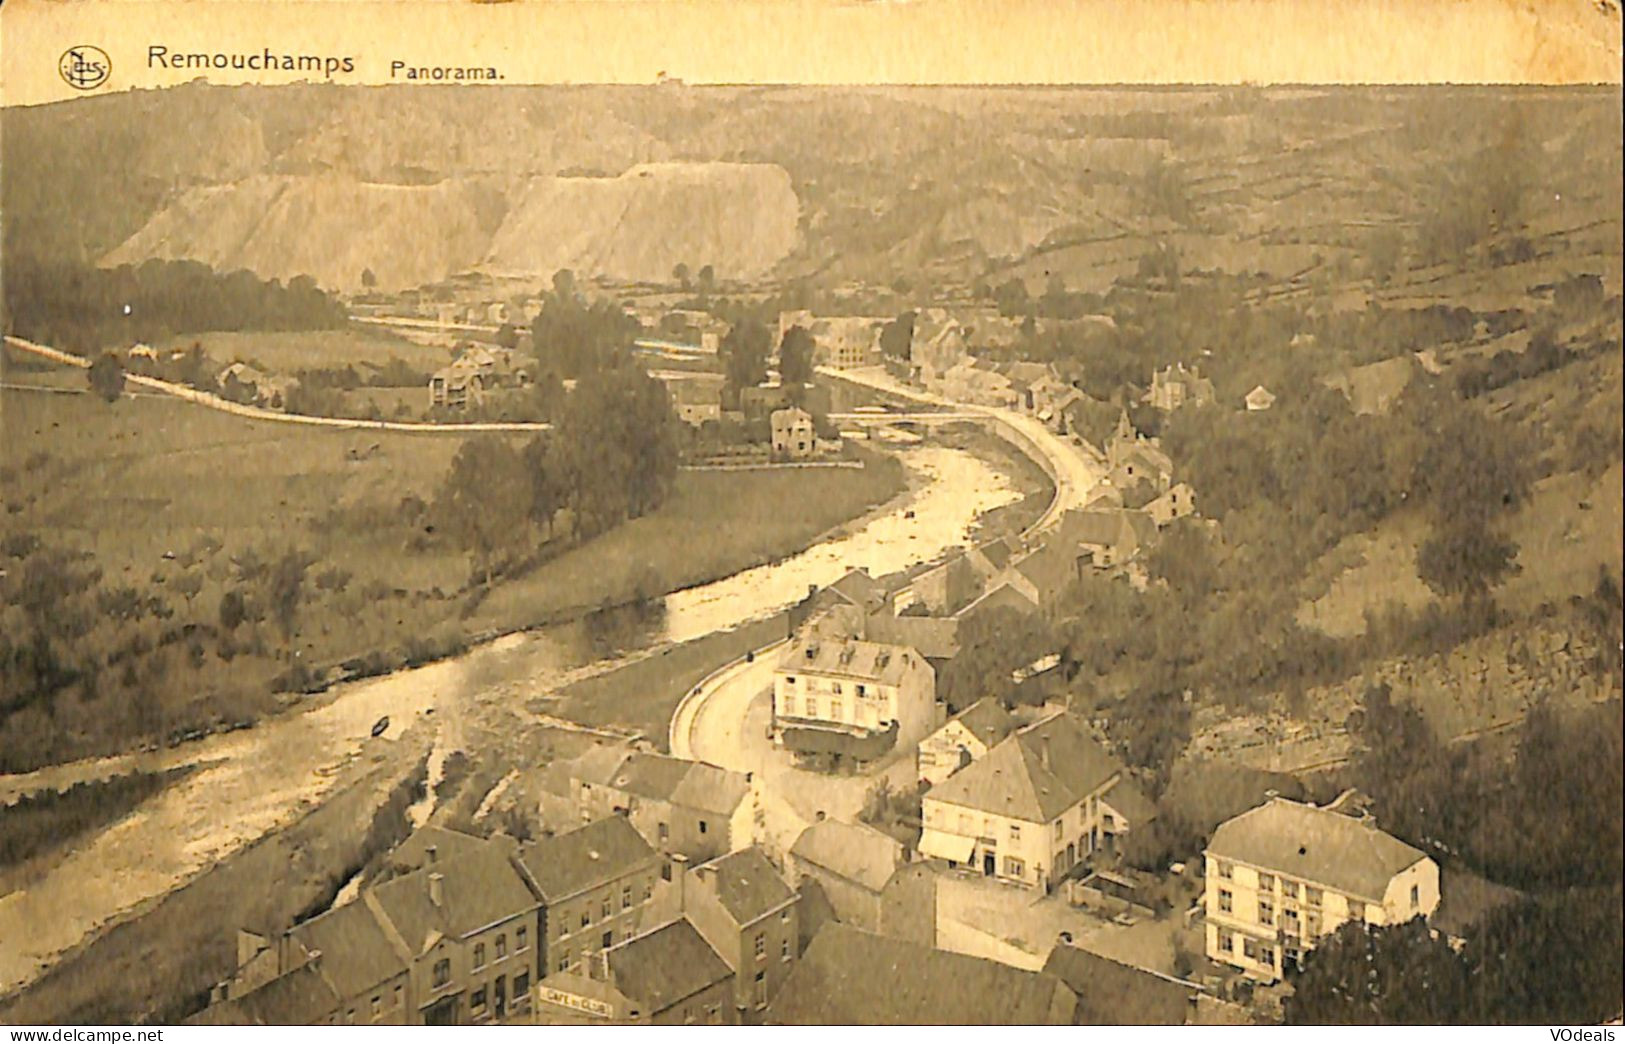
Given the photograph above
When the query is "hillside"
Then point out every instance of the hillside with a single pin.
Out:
(943, 184)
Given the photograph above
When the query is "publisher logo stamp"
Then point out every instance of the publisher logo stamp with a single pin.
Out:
(85, 68)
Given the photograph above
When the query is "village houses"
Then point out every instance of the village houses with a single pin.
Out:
(851, 698)
(866, 879)
(597, 886)
(1173, 387)
(1283, 875)
(844, 342)
(792, 433)
(1041, 802)
(666, 976)
(689, 811)
(965, 737)
(751, 917)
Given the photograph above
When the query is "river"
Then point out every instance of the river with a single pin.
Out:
(249, 783)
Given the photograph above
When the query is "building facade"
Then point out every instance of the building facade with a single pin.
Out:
(847, 687)
(597, 886)
(750, 916)
(1285, 874)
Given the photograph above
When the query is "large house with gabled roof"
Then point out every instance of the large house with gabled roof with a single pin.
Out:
(1041, 802)
(1285, 874)
(850, 698)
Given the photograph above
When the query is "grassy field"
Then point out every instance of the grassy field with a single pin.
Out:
(277, 351)
(714, 524)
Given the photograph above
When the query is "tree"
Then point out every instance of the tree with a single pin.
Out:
(564, 284)
(1550, 959)
(232, 610)
(368, 279)
(796, 357)
(706, 280)
(992, 644)
(744, 353)
(1465, 559)
(897, 336)
(285, 585)
(680, 275)
(484, 504)
(1397, 975)
(1011, 297)
(188, 585)
(507, 336)
(107, 376)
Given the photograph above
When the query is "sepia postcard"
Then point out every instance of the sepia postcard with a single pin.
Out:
(779, 513)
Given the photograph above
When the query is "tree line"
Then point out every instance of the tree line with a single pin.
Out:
(84, 309)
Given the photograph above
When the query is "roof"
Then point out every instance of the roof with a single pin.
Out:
(1100, 528)
(1013, 779)
(1315, 845)
(569, 864)
(1130, 802)
(997, 552)
(666, 966)
(695, 391)
(475, 892)
(303, 997)
(1260, 397)
(987, 720)
(790, 415)
(934, 637)
(356, 952)
(850, 977)
(1048, 569)
(851, 658)
(746, 884)
(413, 853)
(855, 851)
(859, 588)
(660, 777)
(1114, 994)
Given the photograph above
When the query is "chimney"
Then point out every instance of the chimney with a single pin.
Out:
(431, 852)
(679, 879)
(436, 893)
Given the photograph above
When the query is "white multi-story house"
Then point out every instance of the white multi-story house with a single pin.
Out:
(1284, 874)
(851, 697)
(1039, 803)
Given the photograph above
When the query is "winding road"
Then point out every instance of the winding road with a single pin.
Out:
(725, 719)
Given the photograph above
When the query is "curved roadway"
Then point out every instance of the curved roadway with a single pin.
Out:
(724, 719)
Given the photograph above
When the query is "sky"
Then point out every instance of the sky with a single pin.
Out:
(831, 41)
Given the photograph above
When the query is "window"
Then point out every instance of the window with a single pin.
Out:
(564, 962)
(1014, 867)
(1289, 888)
(1266, 882)
(964, 823)
(605, 908)
(476, 1000)
(812, 707)
(608, 939)
(1266, 911)
(702, 826)
(502, 946)
(1289, 921)
(1416, 896)
(665, 832)
(760, 945)
(1314, 923)
(1266, 955)
(1311, 895)
(349, 1016)
(1294, 954)
(377, 1006)
(863, 690)
(1015, 832)
(397, 1001)
(837, 688)
(1227, 942)
(784, 950)
(761, 989)
(790, 679)
(521, 940)
(665, 871)
(1356, 910)
(1224, 899)
(586, 916)
(442, 972)
(479, 955)
(564, 924)
(648, 890)
(1058, 826)
(521, 986)
(837, 709)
